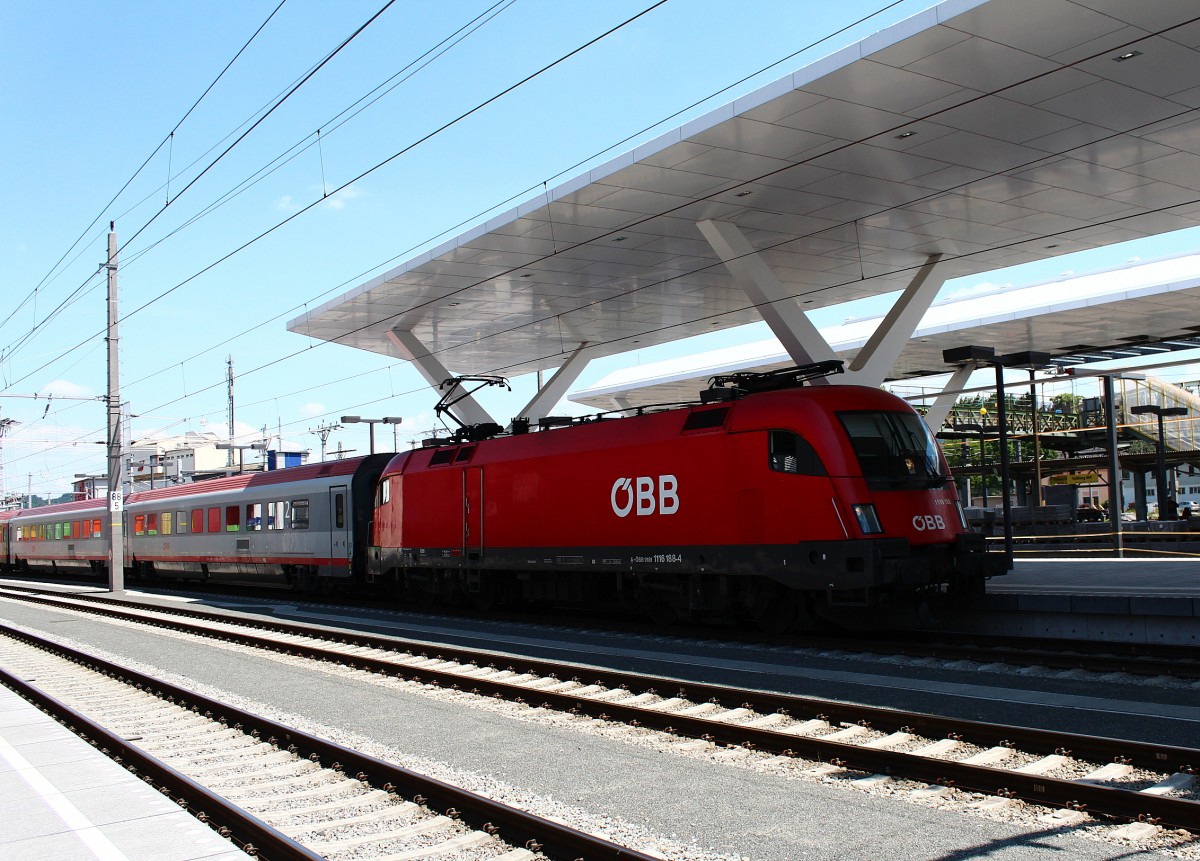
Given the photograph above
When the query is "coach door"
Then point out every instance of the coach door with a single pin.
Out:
(339, 523)
(473, 511)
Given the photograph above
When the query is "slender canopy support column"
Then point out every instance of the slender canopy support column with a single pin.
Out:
(554, 389)
(935, 416)
(468, 409)
(874, 362)
(802, 340)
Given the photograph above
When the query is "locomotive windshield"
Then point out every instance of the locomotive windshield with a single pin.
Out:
(894, 450)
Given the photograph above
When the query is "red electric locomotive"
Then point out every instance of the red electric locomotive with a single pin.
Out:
(773, 501)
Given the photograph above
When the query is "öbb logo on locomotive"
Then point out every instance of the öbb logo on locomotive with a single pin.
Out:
(637, 495)
(928, 522)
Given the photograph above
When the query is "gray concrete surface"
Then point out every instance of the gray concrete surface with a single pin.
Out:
(732, 810)
(62, 799)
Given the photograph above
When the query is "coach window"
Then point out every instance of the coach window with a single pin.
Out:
(139, 525)
(152, 523)
(76, 529)
(339, 511)
(299, 514)
(275, 515)
(254, 517)
(165, 522)
(792, 454)
(87, 529)
(181, 522)
(232, 518)
(96, 528)
(214, 519)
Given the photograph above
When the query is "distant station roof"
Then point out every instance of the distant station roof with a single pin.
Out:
(1075, 318)
(991, 134)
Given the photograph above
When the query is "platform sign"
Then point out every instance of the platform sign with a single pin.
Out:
(1076, 478)
(116, 501)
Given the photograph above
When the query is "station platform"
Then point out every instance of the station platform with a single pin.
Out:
(1126, 600)
(64, 799)
(1111, 585)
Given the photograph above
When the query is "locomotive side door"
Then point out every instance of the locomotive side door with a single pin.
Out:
(473, 511)
(339, 523)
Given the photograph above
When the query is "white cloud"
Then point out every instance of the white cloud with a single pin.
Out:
(311, 409)
(287, 203)
(338, 200)
(65, 389)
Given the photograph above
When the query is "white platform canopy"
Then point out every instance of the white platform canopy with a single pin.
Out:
(972, 136)
(1087, 310)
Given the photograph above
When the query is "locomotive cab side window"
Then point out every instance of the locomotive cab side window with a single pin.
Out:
(894, 450)
(793, 454)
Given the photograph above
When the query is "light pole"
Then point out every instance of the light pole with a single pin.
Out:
(229, 446)
(370, 423)
(1164, 511)
(979, 429)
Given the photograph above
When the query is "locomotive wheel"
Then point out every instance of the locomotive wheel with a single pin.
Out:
(660, 612)
(777, 615)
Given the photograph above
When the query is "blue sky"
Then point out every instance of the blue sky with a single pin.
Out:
(89, 91)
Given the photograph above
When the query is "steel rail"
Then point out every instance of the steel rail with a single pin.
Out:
(1180, 662)
(510, 824)
(1105, 800)
(253, 836)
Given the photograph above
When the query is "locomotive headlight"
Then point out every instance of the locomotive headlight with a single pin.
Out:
(868, 520)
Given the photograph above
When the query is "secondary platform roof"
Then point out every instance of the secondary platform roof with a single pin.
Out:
(1088, 309)
(991, 133)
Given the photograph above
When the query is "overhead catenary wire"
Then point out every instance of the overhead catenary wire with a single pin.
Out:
(332, 124)
(449, 124)
(942, 191)
(169, 137)
(264, 114)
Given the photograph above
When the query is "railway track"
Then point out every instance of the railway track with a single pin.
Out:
(275, 791)
(1145, 660)
(1135, 659)
(1139, 783)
